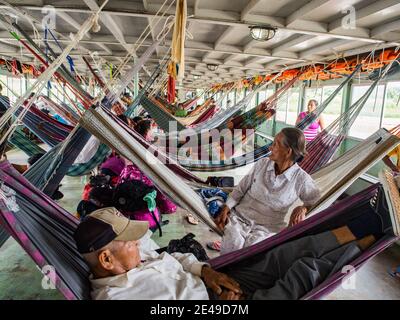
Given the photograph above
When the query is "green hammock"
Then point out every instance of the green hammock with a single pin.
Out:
(81, 169)
(20, 141)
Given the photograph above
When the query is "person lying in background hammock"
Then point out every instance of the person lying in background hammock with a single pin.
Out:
(119, 111)
(55, 116)
(134, 121)
(256, 208)
(110, 244)
(314, 128)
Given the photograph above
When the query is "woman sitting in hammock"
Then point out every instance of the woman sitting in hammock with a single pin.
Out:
(314, 128)
(131, 172)
(257, 207)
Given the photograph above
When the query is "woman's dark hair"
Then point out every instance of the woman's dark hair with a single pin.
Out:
(137, 119)
(124, 118)
(103, 195)
(294, 139)
(143, 126)
(315, 102)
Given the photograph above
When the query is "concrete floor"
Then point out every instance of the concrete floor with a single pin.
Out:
(21, 279)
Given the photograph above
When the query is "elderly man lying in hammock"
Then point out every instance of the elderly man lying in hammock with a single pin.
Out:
(109, 242)
(257, 207)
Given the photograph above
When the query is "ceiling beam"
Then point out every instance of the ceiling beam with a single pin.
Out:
(329, 45)
(272, 63)
(72, 22)
(306, 9)
(252, 61)
(196, 7)
(250, 6)
(7, 48)
(385, 28)
(291, 43)
(109, 23)
(207, 55)
(228, 18)
(378, 7)
(223, 36)
(190, 45)
(252, 43)
(104, 47)
(150, 22)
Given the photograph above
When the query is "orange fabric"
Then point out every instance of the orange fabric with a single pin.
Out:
(395, 153)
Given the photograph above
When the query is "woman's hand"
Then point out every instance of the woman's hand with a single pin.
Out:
(218, 282)
(222, 218)
(298, 215)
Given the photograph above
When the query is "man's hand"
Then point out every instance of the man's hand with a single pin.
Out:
(298, 215)
(217, 281)
(229, 295)
(222, 218)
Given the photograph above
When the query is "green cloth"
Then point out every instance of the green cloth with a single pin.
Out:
(150, 198)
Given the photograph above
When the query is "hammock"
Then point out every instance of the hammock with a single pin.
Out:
(19, 140)
(43, 126)
(44, 230)
(163, 117)
(156, 73)
(3, 236)
(320, 150)
(47, 173)
(60, 72)
(107, 130)
(261, 113)
(81, 169)
(334, 178)
(60, 109)
(208, 114)
(331, 218)
(323, 147)
(200, 108)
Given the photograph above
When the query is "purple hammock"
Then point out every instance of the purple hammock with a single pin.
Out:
(328, 219)
(44, 230)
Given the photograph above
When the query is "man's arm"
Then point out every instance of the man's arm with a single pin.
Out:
(212, 279)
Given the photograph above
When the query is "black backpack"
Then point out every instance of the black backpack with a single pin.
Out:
(188, 245)
(222, 182)
(128, 197)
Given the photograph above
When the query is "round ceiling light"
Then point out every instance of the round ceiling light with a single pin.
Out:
(212, 67)
(262, 33)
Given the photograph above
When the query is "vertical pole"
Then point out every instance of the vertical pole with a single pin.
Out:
(302, 97)
(274, 121)
(346, 101)
(136, 85)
